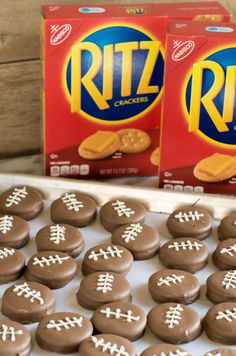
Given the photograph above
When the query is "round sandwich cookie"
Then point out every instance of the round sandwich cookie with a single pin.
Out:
(60, 237)
(174, 323)
(28, 302)
(171, 285)
(120, 212)
(12, 264)
(221, 287)
(184, 253)
(23, 201)
(165, 350)
(107, 257)
(75, 209)
(14, 339)
(101, 288)
(14, 231)
(190, 221)
(52, 268)
(63, 332)
(221, 352)
(227, 227)
(220, 323)
(224, 256)
(123, 319)
(107, 344)
(140, 239)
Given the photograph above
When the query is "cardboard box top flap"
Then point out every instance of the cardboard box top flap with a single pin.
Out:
(174, 10)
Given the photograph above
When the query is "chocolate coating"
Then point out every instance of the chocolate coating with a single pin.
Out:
(122, 319)
(190, 221)
(107, 257)
(221, 287)
(63, 332)
(220, 323)
(12, 264)
(74, 208)
(23, 201)
(171, 285)
(140, 239)
(52, 268)
(60, 237)
(174, 323)
(17, 345)
(14, 231)
(164, 349)
(227, 227)
(27, 302)
(94, 345)
(221, 352)
(224, 256)
(101, 288)
(186, 254)
(120, 212)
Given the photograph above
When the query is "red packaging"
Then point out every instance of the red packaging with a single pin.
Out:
(103, 72)
(198, 144)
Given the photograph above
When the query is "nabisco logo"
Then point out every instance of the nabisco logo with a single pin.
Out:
(182, 50)
(59, 33)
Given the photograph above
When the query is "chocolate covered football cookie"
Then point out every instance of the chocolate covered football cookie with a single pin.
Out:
(140, 239)
(171, 285)
(119, 318)
(221, 287)
(165, 350)
(12, 264)
(14, 231)
(27, 302)
(60, 237)
(23, 201)
(227, 227)
(224, 256)
(14, 339)
(63, 332)
(174, 323)
(120, 212)
(52, 268)
(190, 221)
(221, 352)
(101, 288)
(220, 323)
(74, 208)
(107, 257)
(107, 344)
(186, 254)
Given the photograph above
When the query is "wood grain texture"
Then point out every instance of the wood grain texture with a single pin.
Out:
(19, 25)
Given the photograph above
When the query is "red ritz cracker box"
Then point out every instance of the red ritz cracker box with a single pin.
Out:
(198, 144)
(103, 82)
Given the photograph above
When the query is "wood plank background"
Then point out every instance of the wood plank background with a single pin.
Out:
(20, 71)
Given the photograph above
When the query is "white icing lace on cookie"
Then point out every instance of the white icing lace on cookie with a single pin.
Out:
(66, 323)
(6, 224)
(57, 234)
(50, 260)
(9, 333)
(231, 250)
(174, 353)
(229, 280)
(190, 216)
(71, 202)
(172, 279)
(108, 347)
(104, 283)
(111, 251)
(23, 290)
(16, 197)
(117, 314)
(211, 354)
(227, 314)
(121, 209)
(186, 245)
(131, 232)
(6, 252)
(173, 316)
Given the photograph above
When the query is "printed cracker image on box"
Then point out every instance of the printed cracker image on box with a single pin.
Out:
(198, 143)
(103, 69)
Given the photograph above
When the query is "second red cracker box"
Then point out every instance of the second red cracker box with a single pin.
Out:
(103, 72)
(198, 141)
